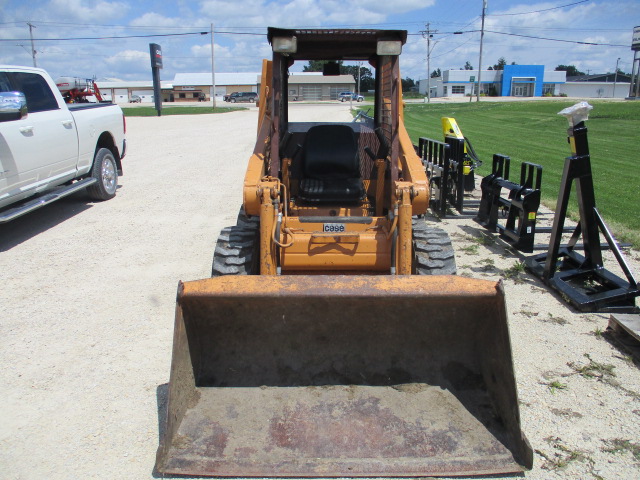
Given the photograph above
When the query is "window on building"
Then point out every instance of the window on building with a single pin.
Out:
(444, 91)
(457, 89)
(196, 95)
(548, 89)
(182, 95)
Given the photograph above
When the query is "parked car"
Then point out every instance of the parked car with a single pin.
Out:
(226, 97)
(135, 99)
(243, 97)
(344, 96)
(54, 149)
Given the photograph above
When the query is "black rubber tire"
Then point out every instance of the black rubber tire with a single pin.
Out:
(237, 250)
(105, 171)
(432, 250)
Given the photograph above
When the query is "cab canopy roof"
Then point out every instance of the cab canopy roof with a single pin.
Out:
(336, 44)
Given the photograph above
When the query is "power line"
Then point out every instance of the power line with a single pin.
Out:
(556, 39)
(535, 11)
(579, 42)
(115, 37)
(454, 49)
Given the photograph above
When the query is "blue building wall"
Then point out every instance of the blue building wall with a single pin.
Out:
(511, 71)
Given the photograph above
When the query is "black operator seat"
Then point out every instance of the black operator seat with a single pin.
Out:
(330, 166)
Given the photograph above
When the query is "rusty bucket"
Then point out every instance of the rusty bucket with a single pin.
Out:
(342, 376)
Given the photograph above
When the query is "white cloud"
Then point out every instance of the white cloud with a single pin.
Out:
(89, 11)
(157, 20)
(130, 64)
(388, 8)
(128, 56)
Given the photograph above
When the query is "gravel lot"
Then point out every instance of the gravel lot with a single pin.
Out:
(88, 308)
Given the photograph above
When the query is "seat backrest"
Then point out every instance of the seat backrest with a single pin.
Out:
(330, 152)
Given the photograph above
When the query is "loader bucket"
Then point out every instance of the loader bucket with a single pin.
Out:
(336, 376)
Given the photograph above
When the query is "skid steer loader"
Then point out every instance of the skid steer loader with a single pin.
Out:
(334, 339)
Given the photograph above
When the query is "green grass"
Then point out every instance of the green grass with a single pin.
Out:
(151, 111)
(533, 132)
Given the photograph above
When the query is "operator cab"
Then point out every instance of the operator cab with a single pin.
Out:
(327, 165)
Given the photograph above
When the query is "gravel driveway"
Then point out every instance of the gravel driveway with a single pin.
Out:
(86, 318)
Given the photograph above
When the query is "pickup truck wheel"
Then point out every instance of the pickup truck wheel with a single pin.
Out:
(104, 170)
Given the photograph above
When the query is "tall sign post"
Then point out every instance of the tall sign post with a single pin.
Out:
(634, 88)
(155, 52)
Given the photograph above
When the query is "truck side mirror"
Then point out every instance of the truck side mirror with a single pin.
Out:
(13, 106)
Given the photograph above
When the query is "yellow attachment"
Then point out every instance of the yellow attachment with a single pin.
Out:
(450, 128)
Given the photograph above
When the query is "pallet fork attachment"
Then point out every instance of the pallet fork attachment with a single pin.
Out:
(521, 203)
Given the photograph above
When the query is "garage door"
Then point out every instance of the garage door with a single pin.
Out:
(121, 95)
(312, 92)
(334, 91)
(145, 95)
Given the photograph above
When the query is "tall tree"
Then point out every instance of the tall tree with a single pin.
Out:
(316, 65)
(436, 73)
(571, 70)
(367, 82)
(468, 66)
(500, 65)
(407, 84)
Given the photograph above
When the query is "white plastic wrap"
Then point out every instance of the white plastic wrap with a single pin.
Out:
(577, 113)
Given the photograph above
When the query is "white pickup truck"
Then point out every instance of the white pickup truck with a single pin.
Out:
(49, 149)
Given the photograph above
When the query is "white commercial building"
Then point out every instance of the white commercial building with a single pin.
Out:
(513, 81)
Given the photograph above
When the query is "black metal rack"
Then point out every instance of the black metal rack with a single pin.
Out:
(582, 279)
(521, 203)
(445, 164)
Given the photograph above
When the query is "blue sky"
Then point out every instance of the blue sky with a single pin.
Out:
(66, 33)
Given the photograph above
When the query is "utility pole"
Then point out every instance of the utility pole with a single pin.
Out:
(428, 33)
(359, 67)
(33, 48)
(615, 78)
(213, 72)
(484, 9)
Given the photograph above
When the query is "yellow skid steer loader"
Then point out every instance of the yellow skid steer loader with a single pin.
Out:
(334, 339)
